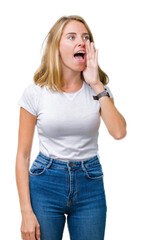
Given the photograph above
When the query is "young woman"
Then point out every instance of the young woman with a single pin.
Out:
(66, 100)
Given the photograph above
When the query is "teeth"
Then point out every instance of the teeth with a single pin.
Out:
(81, 52)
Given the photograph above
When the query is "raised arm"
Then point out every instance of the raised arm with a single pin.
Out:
(112, 118)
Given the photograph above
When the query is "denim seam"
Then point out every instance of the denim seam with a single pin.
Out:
(76, 193)
(69, 184)
(37, 164)
(38, 174)
(40, 160)
(60, 167)
(93, 178)
(49, 164)
(93, 164)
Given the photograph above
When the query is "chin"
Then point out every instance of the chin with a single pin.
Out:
(80, 68)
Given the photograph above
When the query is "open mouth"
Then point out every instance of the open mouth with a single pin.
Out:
(80, 56)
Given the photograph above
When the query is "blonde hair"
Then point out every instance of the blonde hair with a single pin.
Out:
(49, 72)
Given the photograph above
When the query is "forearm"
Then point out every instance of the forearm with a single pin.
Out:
(22, 180)
(112, 118)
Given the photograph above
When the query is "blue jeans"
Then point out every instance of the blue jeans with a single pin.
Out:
(74, 188)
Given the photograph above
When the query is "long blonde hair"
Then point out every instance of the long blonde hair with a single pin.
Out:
(49, 72)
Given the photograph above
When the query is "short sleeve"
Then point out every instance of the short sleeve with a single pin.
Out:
(108, 90)
(29, 99)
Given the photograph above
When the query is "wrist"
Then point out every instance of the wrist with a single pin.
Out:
(26, 210)
(98, 88)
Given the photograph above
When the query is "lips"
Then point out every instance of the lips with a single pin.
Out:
(80, 56)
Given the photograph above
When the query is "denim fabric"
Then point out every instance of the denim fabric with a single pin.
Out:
(72, 190)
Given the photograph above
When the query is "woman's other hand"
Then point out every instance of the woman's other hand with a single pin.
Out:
(30, 228)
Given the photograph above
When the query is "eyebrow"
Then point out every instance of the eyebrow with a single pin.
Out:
(76, 33)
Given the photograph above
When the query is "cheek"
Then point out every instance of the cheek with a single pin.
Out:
(65, 51)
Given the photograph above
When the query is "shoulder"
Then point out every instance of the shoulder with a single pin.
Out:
(30, 98)
(32, 87)
(32, 90)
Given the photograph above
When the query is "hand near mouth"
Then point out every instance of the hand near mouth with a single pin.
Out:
(90, 73)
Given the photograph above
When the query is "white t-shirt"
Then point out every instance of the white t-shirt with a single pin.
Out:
(67, 123)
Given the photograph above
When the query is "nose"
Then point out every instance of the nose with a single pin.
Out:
(80, 42)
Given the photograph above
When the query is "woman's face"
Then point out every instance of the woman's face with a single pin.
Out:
(72, 41)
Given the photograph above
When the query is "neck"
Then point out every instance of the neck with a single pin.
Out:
(71, 78)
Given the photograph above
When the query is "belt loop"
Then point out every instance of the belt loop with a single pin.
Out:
(83, 167)
(68, 165)
(51, 159)
(69, 168)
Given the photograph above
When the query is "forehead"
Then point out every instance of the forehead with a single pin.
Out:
(75, 26)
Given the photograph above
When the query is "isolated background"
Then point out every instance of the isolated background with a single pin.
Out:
(116, 27)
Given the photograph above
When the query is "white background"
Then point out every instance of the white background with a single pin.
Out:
(116, 27)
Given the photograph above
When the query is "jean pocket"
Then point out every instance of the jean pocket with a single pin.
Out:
(94, 171)
(38, 167)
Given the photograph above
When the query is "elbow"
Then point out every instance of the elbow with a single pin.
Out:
(119, 129)
(120, 134)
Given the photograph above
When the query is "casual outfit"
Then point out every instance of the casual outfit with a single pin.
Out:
(66, 177)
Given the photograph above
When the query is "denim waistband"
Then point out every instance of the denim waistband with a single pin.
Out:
(60, 163)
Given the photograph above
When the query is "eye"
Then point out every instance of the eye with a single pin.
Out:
(71, 37)
(86, 37)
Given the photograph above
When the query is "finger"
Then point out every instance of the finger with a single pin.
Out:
(96, 57)
(32, 236)
(22, 236)
(25, 236)
(88, 51)
(92, 50)
(86, 55)
(38, 232)
(29, 237)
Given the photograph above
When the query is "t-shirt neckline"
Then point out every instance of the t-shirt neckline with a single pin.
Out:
(72, 93)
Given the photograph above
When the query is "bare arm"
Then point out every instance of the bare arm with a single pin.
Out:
(112, 118)
(27, 124)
